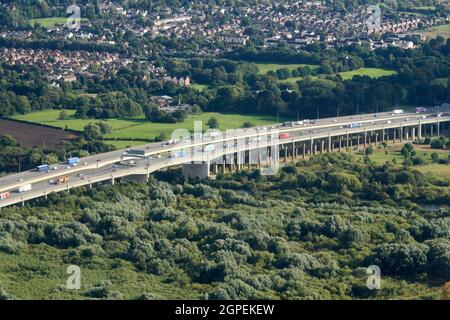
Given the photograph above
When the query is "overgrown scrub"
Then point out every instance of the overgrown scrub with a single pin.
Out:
(308, 232)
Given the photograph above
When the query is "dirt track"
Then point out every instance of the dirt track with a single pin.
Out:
(34, 135)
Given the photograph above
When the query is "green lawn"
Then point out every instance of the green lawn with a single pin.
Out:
(371, 72)
(199, 87)
(266, 67)
(441, 81)
(50, 22)
(139, 128)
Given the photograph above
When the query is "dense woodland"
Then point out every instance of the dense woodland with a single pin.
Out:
(308, 232)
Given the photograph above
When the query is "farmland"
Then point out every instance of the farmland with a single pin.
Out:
(443, 30)
(29, 135)
(135, 131)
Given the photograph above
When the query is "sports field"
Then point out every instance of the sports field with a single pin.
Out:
(370, 72)
(266, 67)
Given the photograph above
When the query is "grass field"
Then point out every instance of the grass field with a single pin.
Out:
(50, 22)
(433, 32)
(371, 72)
(393, 152)
(130, 130)
(442, 81)
(266, 67)
(199, 87)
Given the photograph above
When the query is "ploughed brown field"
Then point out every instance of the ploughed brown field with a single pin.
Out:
(29, 135)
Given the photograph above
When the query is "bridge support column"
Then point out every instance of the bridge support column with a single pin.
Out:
(346, 141)
(365, 140)
(401, 134)
(304, 150)
(200, 170)
(413, 130)
(294, 152)
(394, 135)
(407, 133)
(420, 131)
(329, 144)
(431, 130)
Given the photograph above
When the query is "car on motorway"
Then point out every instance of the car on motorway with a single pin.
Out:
(55, 168)
(85, 163)
(80, 175)
(388, 122)
(158, 156)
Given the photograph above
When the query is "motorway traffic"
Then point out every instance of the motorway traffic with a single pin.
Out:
(157, 155)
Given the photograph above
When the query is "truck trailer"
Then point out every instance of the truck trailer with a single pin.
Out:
(42, 168)
(24, 188)
(73, 160)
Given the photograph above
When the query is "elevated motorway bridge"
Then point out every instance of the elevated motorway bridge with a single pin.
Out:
(232, 150)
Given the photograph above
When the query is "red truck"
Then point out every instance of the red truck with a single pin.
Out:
(4, 195)
(284, 135)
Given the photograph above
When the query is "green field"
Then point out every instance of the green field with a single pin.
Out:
(130, 130)
(199, 87)
(441, 81)
(443, 30)
(266, 67)
(50, 22)
(371, 72)
(393, 153)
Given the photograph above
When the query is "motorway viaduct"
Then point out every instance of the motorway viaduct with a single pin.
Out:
(232, 151)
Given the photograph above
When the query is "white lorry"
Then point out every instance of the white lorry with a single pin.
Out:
(24, 188)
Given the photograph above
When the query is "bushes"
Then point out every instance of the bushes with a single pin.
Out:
(71, 234)
(438, 259)
(400, 259)
(9, 245)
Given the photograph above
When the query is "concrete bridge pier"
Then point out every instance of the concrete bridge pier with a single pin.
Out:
(139, 178)
(200, 170)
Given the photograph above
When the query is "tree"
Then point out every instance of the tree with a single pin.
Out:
(438, 255)
(248, 124)
(406, 150)
(213, 123)
(93, 132)
(435, 157)
(400, 259)
(63, 115)
(368, 151)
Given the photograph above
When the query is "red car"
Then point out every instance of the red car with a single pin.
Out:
(284, 135)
